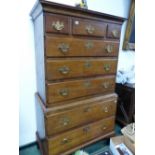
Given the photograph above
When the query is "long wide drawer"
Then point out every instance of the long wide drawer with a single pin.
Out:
(62, 91)
(59, 144)
(71, 68)
(90, 112)
(56, 47)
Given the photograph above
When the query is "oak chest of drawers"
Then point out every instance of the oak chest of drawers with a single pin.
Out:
(76, 63)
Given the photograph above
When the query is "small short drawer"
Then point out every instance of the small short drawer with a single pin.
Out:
(57, 23)
(114, 31)
(79, 67)
(68, 140)
(90, 111)
(88, 27)
(65, 46)
(63, 91)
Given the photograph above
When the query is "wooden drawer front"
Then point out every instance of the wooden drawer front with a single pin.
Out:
(62, 47)
(114, 31)
(62, 91)
(70, 139)
(69, 68)
(56, 24)
(89, 27)
(63, 121)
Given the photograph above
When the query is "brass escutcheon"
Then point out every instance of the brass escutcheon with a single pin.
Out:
(86, 129)
(58, 25)
(87, 109)
(87, 83)
(87, 64)
(89, 45)
(106, 85)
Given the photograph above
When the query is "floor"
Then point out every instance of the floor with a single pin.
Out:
(91, 149)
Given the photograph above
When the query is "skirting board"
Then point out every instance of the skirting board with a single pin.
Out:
(27, 145)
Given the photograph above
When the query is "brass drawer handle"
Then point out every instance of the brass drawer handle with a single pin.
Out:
(64, 92)
(65, 141)
(106, 85)
(109, 48)
(65, 121)
(87, 84)
(87, 109)
(86, 129)
(106, 110)
(89, 45)
(90, 29)
(64, 70)
(104, 128)
(64, 48)
(115, 33)
(58, 25)
(107, 67)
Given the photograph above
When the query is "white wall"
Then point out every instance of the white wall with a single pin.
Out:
(27, 120)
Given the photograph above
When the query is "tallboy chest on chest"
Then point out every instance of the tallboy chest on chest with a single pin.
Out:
(76, 63)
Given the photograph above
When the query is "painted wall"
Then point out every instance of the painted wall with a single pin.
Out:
(27, 120)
